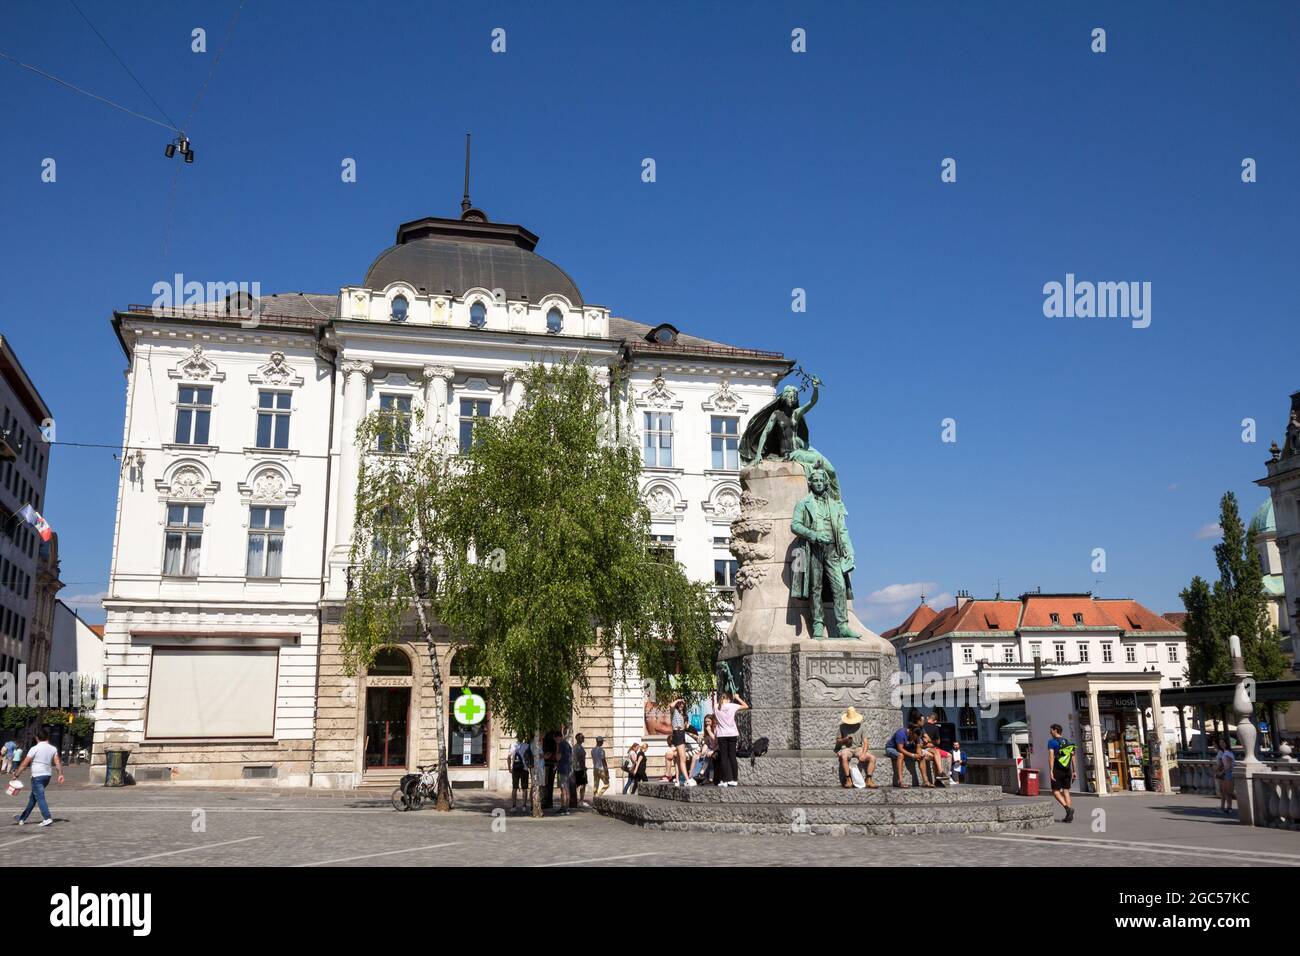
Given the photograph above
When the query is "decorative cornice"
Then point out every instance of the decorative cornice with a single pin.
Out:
(197, 367)
(276, 372)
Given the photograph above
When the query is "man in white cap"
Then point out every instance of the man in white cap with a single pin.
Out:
(850, 745)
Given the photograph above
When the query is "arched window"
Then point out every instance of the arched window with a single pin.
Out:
(390, 662)
(554, 320)
(400, 305)
(478, 315)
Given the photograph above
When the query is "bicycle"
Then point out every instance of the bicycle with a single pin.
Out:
(415, 788)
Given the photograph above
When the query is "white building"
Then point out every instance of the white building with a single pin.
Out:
(974, 655)
(1264, 523)
(235, 510)
(77, 647)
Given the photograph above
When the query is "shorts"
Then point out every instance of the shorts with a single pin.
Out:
(892, 752)
(579, 778)
(1060, 782)
(678, 738)
(602, 776)
(519, 778)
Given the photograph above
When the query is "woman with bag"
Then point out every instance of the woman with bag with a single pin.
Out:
(1224, 761)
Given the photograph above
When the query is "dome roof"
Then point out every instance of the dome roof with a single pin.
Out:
(1264, 522)
(451, 256)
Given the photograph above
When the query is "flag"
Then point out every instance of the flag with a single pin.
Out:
(33, 518)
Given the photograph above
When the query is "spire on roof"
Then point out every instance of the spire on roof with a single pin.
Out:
(467, 211)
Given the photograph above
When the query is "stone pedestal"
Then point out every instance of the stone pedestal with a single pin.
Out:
(796, 687)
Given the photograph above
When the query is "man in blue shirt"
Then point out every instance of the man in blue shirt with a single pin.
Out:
(1061, 755)
(902, 747)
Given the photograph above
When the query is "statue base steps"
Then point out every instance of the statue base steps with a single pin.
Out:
(826, 810)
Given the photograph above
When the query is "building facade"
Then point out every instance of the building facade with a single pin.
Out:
(24, 463)
(235, 514)
(1283, 484)
(975, 653)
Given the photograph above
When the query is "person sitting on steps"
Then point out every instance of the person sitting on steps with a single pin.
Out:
(851, 745)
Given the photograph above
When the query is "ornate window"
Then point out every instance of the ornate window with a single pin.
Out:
(265, 541)
(273, 410)
(193, 414)
(478, 315)
(184, 541)
(658, 439)
(400, 308)
(554, 320)
(725, 438)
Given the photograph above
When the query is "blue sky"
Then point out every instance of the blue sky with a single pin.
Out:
(775, 170)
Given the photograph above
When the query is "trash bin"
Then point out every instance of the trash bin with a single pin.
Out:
(1029, 783)
(115, 767)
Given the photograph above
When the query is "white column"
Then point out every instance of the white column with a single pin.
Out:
(514, 393)
(1158, 718)
(1099, 765)
(437, 392)
(356, 375)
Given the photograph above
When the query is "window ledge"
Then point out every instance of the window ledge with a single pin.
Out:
(191, 449)
(263, 452)
(663, 470)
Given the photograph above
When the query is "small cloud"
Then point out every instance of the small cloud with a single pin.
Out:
(888, 606)
(85, 602)
(1211, 530)
(901, 593)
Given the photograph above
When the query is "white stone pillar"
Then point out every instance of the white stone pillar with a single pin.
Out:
(1158, 718)
(356, 376)
(437, 392)
(514, 391)
(1100, 768)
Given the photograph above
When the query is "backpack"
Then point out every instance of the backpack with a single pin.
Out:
(757, 749)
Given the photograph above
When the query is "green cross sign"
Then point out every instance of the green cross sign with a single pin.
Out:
(470, 708)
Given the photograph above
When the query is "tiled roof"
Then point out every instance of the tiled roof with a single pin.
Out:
(634, 334)
(1034, 611)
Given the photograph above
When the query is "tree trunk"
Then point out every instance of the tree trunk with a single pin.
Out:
(443, 800)
(535, 778)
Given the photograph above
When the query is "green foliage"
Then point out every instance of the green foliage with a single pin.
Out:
(17, 718)
(539, 540)
(1236, 604)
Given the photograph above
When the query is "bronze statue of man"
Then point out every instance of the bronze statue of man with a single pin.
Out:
(826, 556)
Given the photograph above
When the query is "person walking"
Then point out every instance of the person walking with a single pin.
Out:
(1061, 754)
(564, 771)
(724, 712)
(44, 760)
(1224, 761)
(580, 770)
(599, 768)
(520, 761)
(7, 765)
(630, 760)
